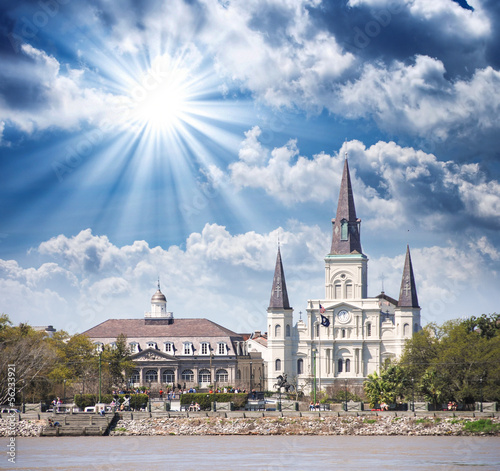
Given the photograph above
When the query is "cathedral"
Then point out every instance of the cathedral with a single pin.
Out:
(347, 335)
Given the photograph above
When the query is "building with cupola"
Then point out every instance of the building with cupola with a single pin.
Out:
(346, 335)
(185, 353)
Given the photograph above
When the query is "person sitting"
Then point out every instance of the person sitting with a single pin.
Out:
(311, 406)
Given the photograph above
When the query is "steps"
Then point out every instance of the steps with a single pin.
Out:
(82, 424)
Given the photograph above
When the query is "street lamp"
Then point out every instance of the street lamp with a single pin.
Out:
(100, 357)
(412, 395)
(345, 386)
(149, 397)
(314, 373)
(250, 377)
(481, 393)
(64, 391)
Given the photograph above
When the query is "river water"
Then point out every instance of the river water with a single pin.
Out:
(266, 453)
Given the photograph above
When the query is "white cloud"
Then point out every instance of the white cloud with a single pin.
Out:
(392, 183)
(418, 99)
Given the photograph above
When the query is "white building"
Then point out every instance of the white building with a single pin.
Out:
(346, 335)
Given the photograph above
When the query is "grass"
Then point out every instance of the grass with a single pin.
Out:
(370, 421)
(481, 426)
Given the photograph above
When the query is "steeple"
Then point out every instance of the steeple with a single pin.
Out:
(346, 226)
(279, 295)
(408, 291)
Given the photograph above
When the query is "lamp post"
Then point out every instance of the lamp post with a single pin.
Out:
(251, 378)
(412, 395)
(64, 391)
(314, 375)
(481, 393)
(149, 397)
(100, 358)
(345, 387)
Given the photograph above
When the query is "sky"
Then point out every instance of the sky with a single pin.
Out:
(184, 140)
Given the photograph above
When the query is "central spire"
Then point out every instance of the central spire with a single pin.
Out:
(279, 295)
(346, 226)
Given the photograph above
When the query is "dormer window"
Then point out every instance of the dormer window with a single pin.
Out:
(112, 345)
(169, 347)
(204, 348)
(187, 348)
(152, 345)
(134, 347)
(343, 229)
(221, 348)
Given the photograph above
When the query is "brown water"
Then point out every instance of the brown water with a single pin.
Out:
(271, 453)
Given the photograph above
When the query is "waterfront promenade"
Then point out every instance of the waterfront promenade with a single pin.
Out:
(270, 423)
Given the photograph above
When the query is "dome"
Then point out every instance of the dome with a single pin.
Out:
(158, 297)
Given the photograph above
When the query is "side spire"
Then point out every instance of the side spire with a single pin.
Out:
(346, 226)
(408, 292)
(279, 295)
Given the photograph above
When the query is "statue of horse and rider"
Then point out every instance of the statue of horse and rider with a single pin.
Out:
(283, 383)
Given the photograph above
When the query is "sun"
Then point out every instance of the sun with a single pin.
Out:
(162, 97)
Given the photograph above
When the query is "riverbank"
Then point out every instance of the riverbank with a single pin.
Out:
(239, 423)
(347, 425)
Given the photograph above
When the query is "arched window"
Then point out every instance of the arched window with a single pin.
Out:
(168, 376)
(288, 330)
(187, 375)
(368, 330)
(348, 365)
(277, 364)
(338, 290)
(348, 290)
(151, 376)
(343, 333)
(135, 377)
(300, 366)
(406, 330)
(277, 331)
(339, 365)
(204, 376)
(317, 330)
(222, 376)
(238, 374)
(343, 229)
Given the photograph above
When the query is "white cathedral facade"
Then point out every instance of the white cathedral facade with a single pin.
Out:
(346, 335)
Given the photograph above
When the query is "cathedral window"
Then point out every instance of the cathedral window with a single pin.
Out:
(277, 330)
(368, 330)
(221, 348)
(415, 327)
(204, 376)
(339, 365)
(205, 348)
(277, 364)
(151, 376)
(288, 330)
(343, 229)
(222, 376)
(317, 330)
(338, 290)
(168, 377)
(187, 375)
(406, 330)
(348, 365)
(300, 366)
(343, 333)
(348, 290)
(238, 374)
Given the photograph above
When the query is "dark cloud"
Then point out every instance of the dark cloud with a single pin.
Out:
(393, 33)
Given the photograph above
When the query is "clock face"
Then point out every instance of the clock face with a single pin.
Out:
(343, 316)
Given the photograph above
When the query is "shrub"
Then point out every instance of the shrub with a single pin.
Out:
(205, 400)
(481, 426)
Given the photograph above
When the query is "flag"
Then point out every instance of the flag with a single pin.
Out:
(324, 321)
(321, 309)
